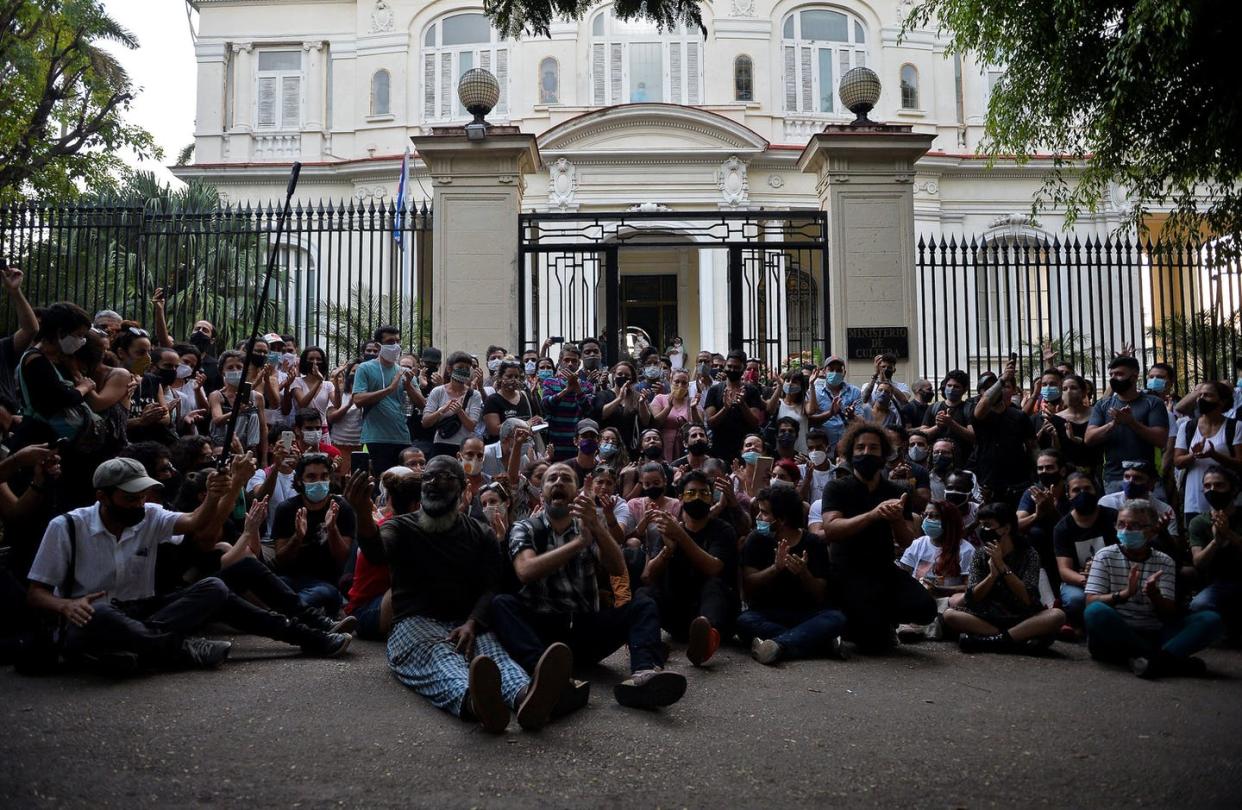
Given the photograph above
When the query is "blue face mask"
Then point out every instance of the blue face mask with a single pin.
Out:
(546, 373)
(932, 528)
(316, 491)
(834, 377)
(1156, 385)
(1132, 539)
(1133, 491)
(1050, 393)
(763, 527)
(750, 457)
(607, 450)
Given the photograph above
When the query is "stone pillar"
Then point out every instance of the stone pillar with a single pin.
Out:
(865, 181)
(312, 123)
(243, 87)
(477, 189)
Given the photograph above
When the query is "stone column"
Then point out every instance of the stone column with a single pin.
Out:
(312, 119)
(243, 87)
(477, 189)
(865, 181)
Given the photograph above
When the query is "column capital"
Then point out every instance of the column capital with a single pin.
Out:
(312, 46)
(879, 153)
(242, 47)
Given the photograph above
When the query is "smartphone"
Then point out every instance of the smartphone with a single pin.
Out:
(539, 428)
(273, 359)
(360, 460)
(557, 339)
(286, 440)
(763, 472)
(1013, 357)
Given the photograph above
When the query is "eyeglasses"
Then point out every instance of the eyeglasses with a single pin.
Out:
(696, 495)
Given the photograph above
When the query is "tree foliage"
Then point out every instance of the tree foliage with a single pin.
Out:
(350, 322)
(1138, 92)
(64, 98)
(514, 18)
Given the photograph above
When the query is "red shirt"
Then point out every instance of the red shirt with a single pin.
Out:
(370, 580)
(325, 448)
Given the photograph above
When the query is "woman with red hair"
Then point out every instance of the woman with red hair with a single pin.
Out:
(940, 560)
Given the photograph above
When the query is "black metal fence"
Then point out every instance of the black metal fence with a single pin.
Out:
(343, 268)
(1082, 300)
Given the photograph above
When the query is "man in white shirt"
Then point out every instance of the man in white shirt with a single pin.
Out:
(1136, 484)
(496, 455)
(108, 550)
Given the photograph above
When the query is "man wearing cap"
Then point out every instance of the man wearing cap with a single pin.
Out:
(429, 378)
(833, 398)
(96, 568)
(587, 439)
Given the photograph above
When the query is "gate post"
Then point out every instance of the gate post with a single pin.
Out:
(865, 181)
(477, 191)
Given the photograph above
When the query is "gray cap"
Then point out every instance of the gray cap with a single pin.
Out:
(432, 355)
(126, 474)
(588, 426)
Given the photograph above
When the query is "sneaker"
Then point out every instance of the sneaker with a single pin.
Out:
(911, 633)
(765, 651)
(486, 700)
(327, 645)
(650, 689)
(1143, 668)
(110, 664)
(997, 643)
(315, 619)
(836, 649)
(934, 631)
(203, 653)
(546, 686)
(576, 695)
(349, 625)
(704, 641)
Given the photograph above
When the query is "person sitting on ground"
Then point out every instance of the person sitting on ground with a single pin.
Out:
(587, 439)
(1129, 424)
(471, 457)
(819, 467)
(555, 555)
(96, 569)
(313, 533)
(864, 515)
(698, 446)
(650, 448)
(1001, 611)
(962, 490)
(512, 447)
(250, 429)
(940, 560)
(1042, 507)
(1216, 542)
(1077, 538)
(785, 573)
(370, 594)
(445, 568)
(308, 436)
(1131, 613)
(726, 505)
(692, 576)
(788, 401)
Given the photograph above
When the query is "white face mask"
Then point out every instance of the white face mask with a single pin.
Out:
(311, 437)
(817, 457)
(390, 352)
(184, 372)
(71, 343)
(471, 466)
(493, 364)
(530, 366)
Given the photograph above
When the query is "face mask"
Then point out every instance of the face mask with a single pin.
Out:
(588, 446)
(493, 365)
(1050, 393)
(1049, 479)
(289, 359)
(932, 528)
(184, 372)
(1133, 491)
(200, 341)
(834, 378)
(698, 448)
(733, 376)
(653, 493)
(696, 509)
(953, 394)
(167, 376)
(917, 453)
(926, 396)
(608, 450)
(590, 363)
(1121, 385)
(956, 498)
(232, 378)
(763, 527)
(472, 466)
(69, 344)
(867, 465)
(391, 352)
(1085, 503)
(653, 452)
(817, 457)
(1218, 500)
(988, 535)
(1156, 385)
(786, 439)
(311, 437)
(127, 515)
(546, 373)
(941, 462)
(883, 398)
(750, 457)
(652, 372)
(1208, 405)
(1132, 539)
(258, 360)
(792, 389)
(316, 491)
(530, 366)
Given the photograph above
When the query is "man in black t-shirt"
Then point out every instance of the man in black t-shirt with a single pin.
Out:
(866, 518)
(785, 574)
(733, 409)
(1004, 441)
(1088, 528)
(314, 533)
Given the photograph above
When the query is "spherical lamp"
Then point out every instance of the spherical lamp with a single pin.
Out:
(859, 92)
(479, 92)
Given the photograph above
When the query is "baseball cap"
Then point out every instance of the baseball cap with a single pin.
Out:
(126, 474)
(432, 355)
(833, 358)
(588, 426)
(272, 337)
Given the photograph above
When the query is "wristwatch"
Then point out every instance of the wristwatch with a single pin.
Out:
(1007, 572)
(1118, 598)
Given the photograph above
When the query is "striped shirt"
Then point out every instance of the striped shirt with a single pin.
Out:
(1110, 572)
(563, 414)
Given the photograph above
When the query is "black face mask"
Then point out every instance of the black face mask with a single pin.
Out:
(1049, 479)
(698, 448)
(957, 498)
(786, 439)
(127, 515)
(653, 493)
(987, 535)
(1208, 405)
(201, 342)
(941, 463)
(696, 509)
(167, 376)
(653, 451)
(733, 376)
(1085, 503)
(258, 360)
(1121, 385)
(1218, 500)
(867, 465)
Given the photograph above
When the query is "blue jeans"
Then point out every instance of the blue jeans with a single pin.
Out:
(801, 633)
(316, 593)
(1073, 600)
(1224, 598)
(1110, 638)
(368, 617)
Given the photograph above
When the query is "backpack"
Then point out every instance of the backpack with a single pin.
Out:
(1188, 431)
(77, 424)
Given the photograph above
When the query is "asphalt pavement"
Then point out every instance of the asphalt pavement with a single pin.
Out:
(924, 725)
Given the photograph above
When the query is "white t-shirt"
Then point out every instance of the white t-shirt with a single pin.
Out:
(922, 555)
(323, 398)
(1193, 486)
(281, 492)
(1116, 499)
(819, 480)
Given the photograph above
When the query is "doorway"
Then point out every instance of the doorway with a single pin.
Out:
(649, 302)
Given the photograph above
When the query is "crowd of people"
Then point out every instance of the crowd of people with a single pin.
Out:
(497, 519)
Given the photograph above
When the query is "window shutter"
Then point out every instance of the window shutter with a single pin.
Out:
(485, 61)
(446, 85)
(617, 59)
(808, 102)
(266, 96)
(429, 85)
(674, 73)
(791, 80)
(291, 102)
(502, 77)
(692, 73)
(597, 74)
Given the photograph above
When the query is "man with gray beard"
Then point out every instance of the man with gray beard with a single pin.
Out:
(445, 568)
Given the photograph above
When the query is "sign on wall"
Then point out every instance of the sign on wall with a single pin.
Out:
(864, 343)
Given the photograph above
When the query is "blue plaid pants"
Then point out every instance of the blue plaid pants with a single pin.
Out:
(420, 658)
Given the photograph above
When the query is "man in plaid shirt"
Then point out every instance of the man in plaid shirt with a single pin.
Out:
(566, 398)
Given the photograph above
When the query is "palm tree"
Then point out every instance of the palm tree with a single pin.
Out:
(350, 323)
(1208, 342)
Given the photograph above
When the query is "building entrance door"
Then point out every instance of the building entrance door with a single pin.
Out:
(649, 302)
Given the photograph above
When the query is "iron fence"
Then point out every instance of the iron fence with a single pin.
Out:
(1082, 300)
(342, 267)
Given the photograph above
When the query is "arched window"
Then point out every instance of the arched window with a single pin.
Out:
(380, 93)
(549, 82)
(632, 61)
(451, 46)
(818, 45)
(743, 79)
(909, 87)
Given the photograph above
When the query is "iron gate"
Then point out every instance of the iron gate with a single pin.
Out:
(772, 266)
